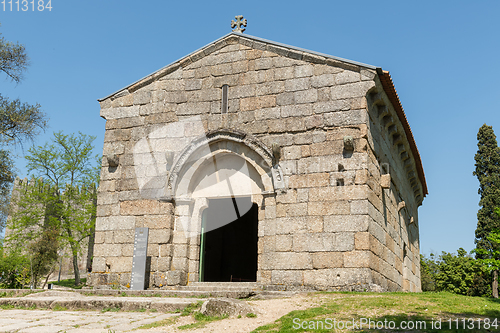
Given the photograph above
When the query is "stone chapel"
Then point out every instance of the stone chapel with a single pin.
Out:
(254, 161)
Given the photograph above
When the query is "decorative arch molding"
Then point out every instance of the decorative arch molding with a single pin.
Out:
(195, 154)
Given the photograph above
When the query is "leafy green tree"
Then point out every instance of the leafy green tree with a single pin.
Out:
(66, 198)
(7, 175)
(44, 254)
(14, 269)
(490, 257)
(34, 227)
(488, 173)
(19, 121)
(456, 272)
(428, 272)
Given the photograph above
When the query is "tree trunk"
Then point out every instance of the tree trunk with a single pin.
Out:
(74, 251)
(75, 268)
(90, 252)
(494, 285)
(47, 277)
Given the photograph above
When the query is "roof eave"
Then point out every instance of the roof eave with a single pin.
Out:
(390, 90)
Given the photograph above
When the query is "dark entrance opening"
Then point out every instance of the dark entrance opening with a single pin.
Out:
(228, 251)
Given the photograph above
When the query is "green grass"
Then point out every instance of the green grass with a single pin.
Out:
(395, 307)
(57, 307)
(116, 309)
(10, 307)
(164, 322)
(70, 283)
(201, 320)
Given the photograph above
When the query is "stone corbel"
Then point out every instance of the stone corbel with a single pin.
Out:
(348, 143)
(385, 181)
(113, 160)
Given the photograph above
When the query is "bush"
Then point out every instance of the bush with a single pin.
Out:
(14, 270)
(457, 273)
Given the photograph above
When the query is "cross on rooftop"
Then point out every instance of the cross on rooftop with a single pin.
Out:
(240, 21)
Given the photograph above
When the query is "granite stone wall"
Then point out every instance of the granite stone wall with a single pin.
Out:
(333, 226)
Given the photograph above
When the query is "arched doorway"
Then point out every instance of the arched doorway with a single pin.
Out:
(225, 172)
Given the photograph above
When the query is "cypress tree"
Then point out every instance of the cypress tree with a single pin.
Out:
(488, 173)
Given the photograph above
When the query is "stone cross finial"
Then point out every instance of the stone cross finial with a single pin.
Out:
(240, 21)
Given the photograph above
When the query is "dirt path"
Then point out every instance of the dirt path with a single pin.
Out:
(267, 312)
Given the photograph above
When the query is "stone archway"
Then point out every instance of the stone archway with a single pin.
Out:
(221, 171)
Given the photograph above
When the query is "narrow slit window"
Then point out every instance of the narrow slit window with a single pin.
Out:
(224, 99)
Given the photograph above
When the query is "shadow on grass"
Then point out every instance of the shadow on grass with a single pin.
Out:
(70, 283)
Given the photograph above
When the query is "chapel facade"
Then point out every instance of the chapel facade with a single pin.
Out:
(251, 160)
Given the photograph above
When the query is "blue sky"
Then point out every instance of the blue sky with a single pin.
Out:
(442, 56)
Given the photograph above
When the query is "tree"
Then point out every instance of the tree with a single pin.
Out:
(490, 256)
(428, 272)
(14, 269)
(456, 272)
(65, 200)
(488, 173)
(19, 121)
(6, 178)
(34, 227)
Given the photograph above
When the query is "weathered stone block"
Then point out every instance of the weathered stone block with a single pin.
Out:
(324, 208)
(176, 278)
(295, 110)
(119, 264)
(310, 180)
(293, 278)
(347, 77)
(160, 236)
(314, 242)
(292, 153)
(252, 103)
(304, 70)
(342, 223)
(99, 265)
(362, 241)
(268, 88)
(338, 277)
(283, 243)
(357, 259)
(306, 96)
(297, 84)
(345, 118)
(351, 90)
(331, 106)
(286, 98)
(327, 260)
(290, 225)
(285, 261)
(124, 236)
(139, 207)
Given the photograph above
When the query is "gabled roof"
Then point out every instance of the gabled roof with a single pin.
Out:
(252, 41)
(291, 52)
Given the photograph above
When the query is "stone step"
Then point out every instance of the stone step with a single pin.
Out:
(76, 301)
(237, 293)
